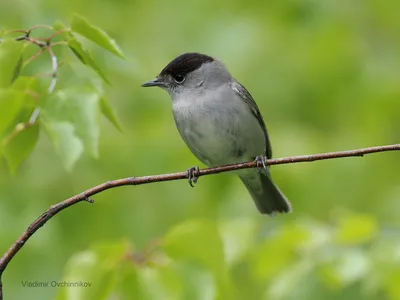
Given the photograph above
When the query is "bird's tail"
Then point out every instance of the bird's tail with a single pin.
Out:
(266, 195)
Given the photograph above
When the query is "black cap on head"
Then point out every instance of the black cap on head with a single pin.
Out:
(185, 64)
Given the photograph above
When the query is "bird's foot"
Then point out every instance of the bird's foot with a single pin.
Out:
(261, 162)
(193, 175)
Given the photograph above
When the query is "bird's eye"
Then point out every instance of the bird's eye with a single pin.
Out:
(179, 78)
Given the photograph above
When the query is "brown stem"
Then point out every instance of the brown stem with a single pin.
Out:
(33, 57)
(39, 26)
(85, 196)
(57, 33)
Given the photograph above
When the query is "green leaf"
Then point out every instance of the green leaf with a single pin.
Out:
(16, 105)
(20, 145)
(238, 235)
(345, 268)
(58, 25)
(84, 28)
(97, 269)
(96, 282)
(130, 285)
(108, 112)
(391, 284)
(200, 283)
(25, 83)
(80, 108)
(154, 283)
(85, 57)
(10, 104)
(278, 252)
(10, 61)
(66, 142)
(199, 243)
(187, 240)
(354, 229)
(85, 113)
(292, 281)
(17, 69)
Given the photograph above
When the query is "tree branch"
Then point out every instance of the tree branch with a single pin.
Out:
(43, 44)
(85, 196)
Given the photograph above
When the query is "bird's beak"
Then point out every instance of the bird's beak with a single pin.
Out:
(154, 82)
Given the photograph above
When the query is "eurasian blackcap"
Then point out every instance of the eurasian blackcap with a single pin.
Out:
(221, 123)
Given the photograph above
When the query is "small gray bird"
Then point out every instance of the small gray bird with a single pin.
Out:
(221, 123)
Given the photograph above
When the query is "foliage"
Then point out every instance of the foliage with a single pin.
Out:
(71, 115)
(295, 261)
(325, 75)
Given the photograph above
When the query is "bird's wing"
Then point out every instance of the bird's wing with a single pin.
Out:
(245, 95)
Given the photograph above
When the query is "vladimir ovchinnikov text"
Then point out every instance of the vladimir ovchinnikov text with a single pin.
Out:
(55, 284)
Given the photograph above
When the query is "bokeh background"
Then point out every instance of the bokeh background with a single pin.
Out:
(326, 77)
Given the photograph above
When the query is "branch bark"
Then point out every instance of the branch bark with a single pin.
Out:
(85, 196)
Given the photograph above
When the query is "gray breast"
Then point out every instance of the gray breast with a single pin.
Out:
(220, 129)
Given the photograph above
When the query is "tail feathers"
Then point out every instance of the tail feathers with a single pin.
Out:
(266, 195)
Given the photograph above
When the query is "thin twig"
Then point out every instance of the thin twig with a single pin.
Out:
(39, 26)
(18, 129)
(85, 196)
(33, 57)
(56, 34)
(33, 94)
(34, 117)
(55, 67)
(15, 31)
(43, 44)
(59, 43)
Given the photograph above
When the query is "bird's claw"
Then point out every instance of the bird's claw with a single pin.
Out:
(261, 162)
(193, 175)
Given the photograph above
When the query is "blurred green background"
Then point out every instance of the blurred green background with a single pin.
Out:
(326, 77)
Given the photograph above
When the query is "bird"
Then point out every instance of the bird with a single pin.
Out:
(221, 124)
